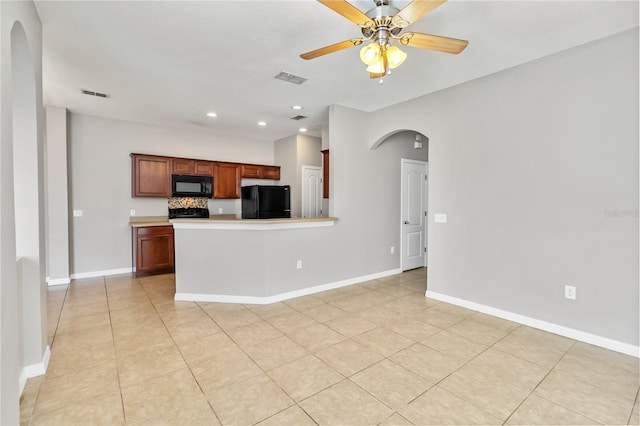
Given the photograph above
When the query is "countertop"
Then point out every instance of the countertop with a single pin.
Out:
(144, 221)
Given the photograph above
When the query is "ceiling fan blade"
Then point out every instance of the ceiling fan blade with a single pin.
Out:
(433, 42)
(373, 75)
(349, 11)
(414, 11)
(332, 48)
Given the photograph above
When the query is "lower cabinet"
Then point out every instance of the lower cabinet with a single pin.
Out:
(154, 250)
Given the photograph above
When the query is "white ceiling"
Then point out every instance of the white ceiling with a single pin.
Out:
(171, 62)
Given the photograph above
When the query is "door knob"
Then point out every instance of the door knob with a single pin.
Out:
(406, 222)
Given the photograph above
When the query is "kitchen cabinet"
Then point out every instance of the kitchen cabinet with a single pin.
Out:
(186, 166)
(226, 180)
(271, 172)
(183, 166)
(203, 168)
(325, 173)
(154, 250)
(151, 176)
(252, 171)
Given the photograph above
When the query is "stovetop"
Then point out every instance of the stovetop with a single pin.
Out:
(188, 213)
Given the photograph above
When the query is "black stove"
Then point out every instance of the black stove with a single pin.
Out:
(188, 213)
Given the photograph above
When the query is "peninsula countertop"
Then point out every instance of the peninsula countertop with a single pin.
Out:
(143, 221)
(230, 221)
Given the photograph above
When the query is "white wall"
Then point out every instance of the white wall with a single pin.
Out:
(100, 177)
(531, 165)
(57, 196)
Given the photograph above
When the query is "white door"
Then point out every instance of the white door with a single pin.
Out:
(413, 214)
(311, 191)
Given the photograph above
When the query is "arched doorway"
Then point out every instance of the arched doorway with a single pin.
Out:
(28, 197)
(413, 190)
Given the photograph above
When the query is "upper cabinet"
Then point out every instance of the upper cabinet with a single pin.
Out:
(271, 172)
(203, 168)
(226, 180)
(325, 173)
(182, 166)
(186, 166)
(254, 171)
(151, 176)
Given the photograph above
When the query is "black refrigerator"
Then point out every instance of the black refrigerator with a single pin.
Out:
(266, 201)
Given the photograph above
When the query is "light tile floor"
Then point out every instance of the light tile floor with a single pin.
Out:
(123, 352)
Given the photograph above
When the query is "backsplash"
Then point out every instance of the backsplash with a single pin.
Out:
(188, 202)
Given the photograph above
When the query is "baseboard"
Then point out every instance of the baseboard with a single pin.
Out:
(581, 336)
(34, 370)
(102, 273)
(58, 281)
(265, 300)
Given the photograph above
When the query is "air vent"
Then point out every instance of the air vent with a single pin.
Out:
(285, 76)
(299, 117)
(97, 94)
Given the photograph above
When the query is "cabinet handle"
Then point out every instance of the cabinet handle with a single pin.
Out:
(406, 222)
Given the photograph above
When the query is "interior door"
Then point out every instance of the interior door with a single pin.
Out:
(311, 191)
(413, 214)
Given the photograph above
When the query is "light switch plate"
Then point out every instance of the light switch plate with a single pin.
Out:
(440, 218)
(77, 213)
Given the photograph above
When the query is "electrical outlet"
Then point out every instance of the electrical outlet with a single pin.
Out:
(219, 209)
(570, 292)
(299, 264)
(132, 212)
(392, 250)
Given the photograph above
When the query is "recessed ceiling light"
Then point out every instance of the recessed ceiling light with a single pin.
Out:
(302, 129)
(297, 107)
(212, 114)
(262, 123)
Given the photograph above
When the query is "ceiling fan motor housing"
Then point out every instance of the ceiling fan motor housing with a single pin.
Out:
(382, 17)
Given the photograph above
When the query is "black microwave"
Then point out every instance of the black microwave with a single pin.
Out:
(191, 186)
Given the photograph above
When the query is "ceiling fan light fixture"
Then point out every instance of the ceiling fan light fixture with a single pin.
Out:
(377, 67)
(370, 53)
(395, 57)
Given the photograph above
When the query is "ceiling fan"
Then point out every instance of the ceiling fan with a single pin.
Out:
(382, 24)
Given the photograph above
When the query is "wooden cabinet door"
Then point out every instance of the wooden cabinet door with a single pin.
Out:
(252, 171)
(154, 250)
(325, 173)
(226, 180)
(183, 166)
(151, 176)
(271, 172)
(203, 168)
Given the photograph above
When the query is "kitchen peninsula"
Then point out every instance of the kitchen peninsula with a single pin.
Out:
(248, 261)
(224, 259)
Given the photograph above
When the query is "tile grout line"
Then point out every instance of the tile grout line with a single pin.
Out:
(53, 338)
(115, 353)
(635, 401)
